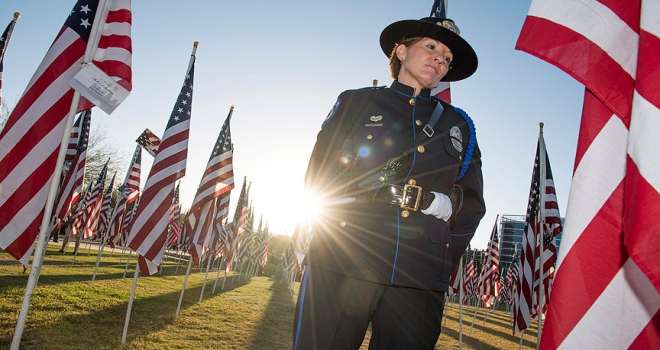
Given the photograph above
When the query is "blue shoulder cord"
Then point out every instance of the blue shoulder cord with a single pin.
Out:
(471, 144)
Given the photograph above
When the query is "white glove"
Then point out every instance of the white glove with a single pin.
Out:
(440, 207)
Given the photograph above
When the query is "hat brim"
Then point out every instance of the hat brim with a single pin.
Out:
(465, 60)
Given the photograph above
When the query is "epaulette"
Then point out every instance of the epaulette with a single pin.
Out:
(471, 144)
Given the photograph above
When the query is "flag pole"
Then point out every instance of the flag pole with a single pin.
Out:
(218, 275)
(460, 303)
(206, 275)
(107, 230)
(183, 289)
(541, 217)
(44, 232)
(130, 303)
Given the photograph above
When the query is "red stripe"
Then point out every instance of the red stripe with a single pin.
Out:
(627, 11)
(155, 212)
(119, 16)
(649, 338)
(642, 233)
(22, 244)
(594, 117)
(615, 87)
(648, 71)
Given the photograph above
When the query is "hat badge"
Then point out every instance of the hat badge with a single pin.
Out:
(447, 24)
(376, 118)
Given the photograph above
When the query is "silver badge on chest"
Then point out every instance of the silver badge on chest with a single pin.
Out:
(456, 138)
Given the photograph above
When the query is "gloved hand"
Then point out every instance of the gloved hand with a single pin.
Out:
(440, 207)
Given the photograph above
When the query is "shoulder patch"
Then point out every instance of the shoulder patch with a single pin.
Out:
(333, 112)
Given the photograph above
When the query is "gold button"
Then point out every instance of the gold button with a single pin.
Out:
(412, 182)
(412, 101)
(381, 179)
(418, 122)
(369, 137)
(420, 149)
(405, 213)
(447, 246)
(342, 224)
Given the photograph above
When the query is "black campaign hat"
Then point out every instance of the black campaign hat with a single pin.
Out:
(444, 30)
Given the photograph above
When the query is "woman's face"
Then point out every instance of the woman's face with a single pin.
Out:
(424, 63)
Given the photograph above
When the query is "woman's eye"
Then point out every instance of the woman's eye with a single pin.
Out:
(448, 60)
(430, 46)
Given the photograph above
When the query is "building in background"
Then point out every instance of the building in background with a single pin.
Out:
(511, 234)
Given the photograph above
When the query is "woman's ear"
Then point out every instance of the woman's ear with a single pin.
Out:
(401, 51)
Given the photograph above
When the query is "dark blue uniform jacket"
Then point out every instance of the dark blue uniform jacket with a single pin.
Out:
(372, 240)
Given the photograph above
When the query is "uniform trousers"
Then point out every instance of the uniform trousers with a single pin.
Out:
(334, 312)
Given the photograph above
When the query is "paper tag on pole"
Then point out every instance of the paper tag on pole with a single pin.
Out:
(99, 88)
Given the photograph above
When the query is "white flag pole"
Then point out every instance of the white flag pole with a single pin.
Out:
(460, 303)
(43, 236)
(130, 304)
(541, 219)
(183, 288)
(218, 275)
(128, 258)
(206, 275)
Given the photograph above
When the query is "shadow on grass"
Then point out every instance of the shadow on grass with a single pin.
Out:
(479, 325)
(275, 331)
(104, 325)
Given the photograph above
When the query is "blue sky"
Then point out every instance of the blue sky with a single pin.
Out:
(282, 64)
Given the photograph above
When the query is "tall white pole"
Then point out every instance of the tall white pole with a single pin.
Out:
(460, 303)
(218, 275)
(206, 275)
(43, 236)
(183, 288)
(130, 304)
(541, 234)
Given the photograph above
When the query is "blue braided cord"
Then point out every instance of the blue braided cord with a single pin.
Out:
(471, 144)
(462, 234)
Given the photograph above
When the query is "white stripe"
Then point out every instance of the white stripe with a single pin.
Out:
(619, 314)
(599, 173)
(175, 129)
(116, 5)
(146, 214)
(649, 15)
(117, 28)
(67, 38)
(16, 227)
(597, 23)
(172, 169)
(114, 54)
(30, 163)
(643, 143)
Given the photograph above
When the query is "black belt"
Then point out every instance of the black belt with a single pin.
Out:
(408, 197)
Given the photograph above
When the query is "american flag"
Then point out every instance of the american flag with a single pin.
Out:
(469, 279)
(4, 42)
(611, 224)
(236, 227)
(489, 286)
(128, 193)
(30, 141)
(512, 276)
(104, 215)
(217, 180)
(542, 209)
(72, 184)
(72, 149)
(93, 205)
(442, 91)
(149, 228)
(220, 227)
(455, 281)
(174, 223)
(149, 141)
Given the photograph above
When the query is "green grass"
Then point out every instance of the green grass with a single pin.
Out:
(69, 311)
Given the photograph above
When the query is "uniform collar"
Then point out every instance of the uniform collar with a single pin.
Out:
(407, 90)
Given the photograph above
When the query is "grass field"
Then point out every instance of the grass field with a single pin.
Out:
(69, 311)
